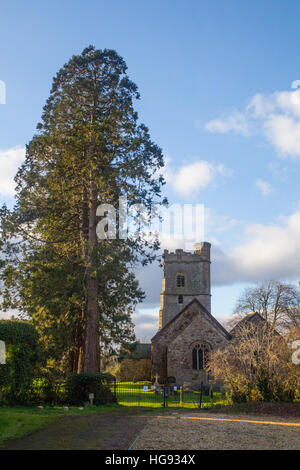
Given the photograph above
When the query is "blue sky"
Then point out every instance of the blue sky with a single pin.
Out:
(215, 79)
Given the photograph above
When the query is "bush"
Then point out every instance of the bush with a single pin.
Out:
(79, 386)
(45, 390)
(256, 366)
(22, 356)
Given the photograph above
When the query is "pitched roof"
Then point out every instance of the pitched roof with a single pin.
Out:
(249, 318)
(211, 317)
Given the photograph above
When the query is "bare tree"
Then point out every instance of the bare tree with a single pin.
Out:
(257, 365)
(277, 302)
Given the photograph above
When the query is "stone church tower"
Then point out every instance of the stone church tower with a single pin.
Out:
(186, 277)
(187, 332)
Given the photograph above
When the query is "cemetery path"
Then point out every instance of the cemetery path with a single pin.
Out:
(182, 431)
(106, 431)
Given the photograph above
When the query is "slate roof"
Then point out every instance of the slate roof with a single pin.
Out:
(250, 317)
(254, 316)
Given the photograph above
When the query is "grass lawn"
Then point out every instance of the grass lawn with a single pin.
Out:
(19, 421)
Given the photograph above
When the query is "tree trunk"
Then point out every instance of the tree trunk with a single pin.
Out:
(80, 342)
(91, 354)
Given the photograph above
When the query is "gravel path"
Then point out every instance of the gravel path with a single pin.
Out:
(180, 431)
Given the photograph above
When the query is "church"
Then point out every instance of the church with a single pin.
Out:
(187, 331)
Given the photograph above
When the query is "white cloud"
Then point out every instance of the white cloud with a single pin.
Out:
(269, 251)
(10, 160)
(277, 170)
(275, 116)
(146, 323)
(216, 223)
(194, 177)
(264, 187)
(283, 132)
(236, 123)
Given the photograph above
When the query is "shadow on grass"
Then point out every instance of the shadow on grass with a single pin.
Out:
(110, 427)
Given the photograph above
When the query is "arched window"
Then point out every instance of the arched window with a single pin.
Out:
(199, 356)
(180, 280)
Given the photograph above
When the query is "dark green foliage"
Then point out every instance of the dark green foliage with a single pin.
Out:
(90, 149)
(45, 390)
(80, 385)
(22, 355)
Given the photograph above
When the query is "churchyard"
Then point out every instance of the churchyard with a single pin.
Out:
(144, 394)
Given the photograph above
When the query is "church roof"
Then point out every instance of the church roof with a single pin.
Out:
(210, 316)
(251, 317)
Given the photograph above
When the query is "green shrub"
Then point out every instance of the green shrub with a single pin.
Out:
(79, 386)
(45, 390)
(22, 356)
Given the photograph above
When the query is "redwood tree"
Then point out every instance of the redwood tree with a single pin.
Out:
(89, 149)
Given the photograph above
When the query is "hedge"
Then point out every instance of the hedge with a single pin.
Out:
(79, 386)
(22, 355)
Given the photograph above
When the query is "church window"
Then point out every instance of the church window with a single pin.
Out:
(180, 280)
(180, 299)
(199, 356)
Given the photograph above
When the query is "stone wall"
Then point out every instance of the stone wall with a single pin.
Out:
(172, 346)
(179, 356)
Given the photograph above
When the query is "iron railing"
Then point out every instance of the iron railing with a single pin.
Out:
(167, 395)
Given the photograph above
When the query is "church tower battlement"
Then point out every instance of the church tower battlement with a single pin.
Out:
(186, 276)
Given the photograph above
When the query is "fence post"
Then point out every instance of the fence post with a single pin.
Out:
(181, 396)
(201, 390)
(115, 388)
(211, 394)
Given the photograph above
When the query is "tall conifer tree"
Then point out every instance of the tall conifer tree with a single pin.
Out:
(89, 149)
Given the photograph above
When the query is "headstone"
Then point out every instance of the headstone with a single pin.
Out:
(156, 384)
(156, 379)
(188, 386)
